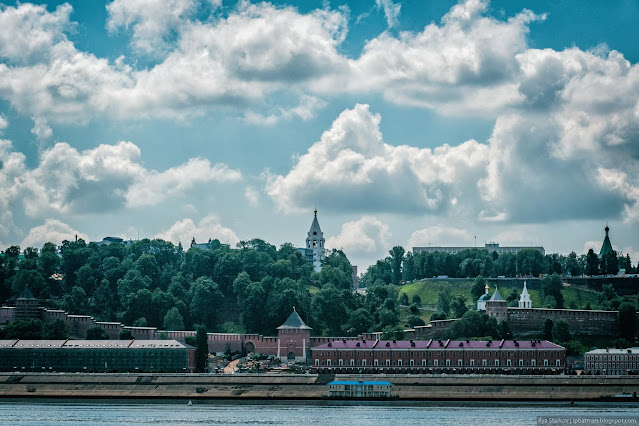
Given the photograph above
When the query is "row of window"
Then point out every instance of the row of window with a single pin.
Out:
(608, 365)
(612, 358)
(435, 363)
(432, 353)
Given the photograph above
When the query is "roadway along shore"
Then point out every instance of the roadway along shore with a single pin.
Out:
(250, 386)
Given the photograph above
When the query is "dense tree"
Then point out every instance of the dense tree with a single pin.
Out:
(474, 324)
(592, 263)
(609, 264)
(548, 326)
(359, 321)
(125, 334)
(561, 331)
(95, 332)
(478, 288)
(397, 257)
(206, 300)
(458, 306)
(55, 330)
(551, 287)
(627, 318)
(201, 349)
(27, 329)
(173, 320)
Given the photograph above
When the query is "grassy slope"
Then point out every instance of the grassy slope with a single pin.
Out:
(429, 292)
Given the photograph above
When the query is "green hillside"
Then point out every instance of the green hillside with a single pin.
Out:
(428, 291)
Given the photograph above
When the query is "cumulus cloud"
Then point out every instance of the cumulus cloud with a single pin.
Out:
(151, 21)
(439, 235)
(391, 11)
(152, 186)
(102, 179)
(4, 123)
(41, 129)
(53, 231)
(366, 235)
(351, 168)
(208, 228)
(305, 110)
(252, 196)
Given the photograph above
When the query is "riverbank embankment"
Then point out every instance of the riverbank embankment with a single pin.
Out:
(266, 386)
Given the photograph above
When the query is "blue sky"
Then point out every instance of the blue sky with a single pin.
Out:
(411, 123)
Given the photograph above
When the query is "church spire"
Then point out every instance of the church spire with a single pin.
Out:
(315, 241)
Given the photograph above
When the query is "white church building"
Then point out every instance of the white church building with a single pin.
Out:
(315, 251)
(524, 299)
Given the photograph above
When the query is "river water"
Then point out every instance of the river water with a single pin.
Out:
(23, 412)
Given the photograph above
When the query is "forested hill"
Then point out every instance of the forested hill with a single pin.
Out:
(251, 288)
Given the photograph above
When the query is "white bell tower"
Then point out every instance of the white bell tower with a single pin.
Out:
(524, 299)
(315, 242)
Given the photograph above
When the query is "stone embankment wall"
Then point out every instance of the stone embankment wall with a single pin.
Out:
(406, 387)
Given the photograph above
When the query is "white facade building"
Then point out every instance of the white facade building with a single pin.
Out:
(612, 361)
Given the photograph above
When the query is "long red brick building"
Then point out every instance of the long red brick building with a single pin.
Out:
(440, 356)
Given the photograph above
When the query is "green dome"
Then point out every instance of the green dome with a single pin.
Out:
(484, 297)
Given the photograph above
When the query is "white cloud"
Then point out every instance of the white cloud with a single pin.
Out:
(351, 168)
(4, 123)
(305, 110)
(439, 235)
(366, 235)
(594, 245)
(391, 11)
(151, 21)
(106, 178)
(152, 186)
(51, 231)
(252, 196)
(208, 228)
(41, 129)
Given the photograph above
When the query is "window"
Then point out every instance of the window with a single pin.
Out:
(341, 362)
(558, 363)
(316, 361)
(459, 362)
(376, 362)
(447, 363)
(546, 363)
(521, 362)
(352, 362)
(399, 362)
(496, 363)
(363, 362)
(483, 362)
(423, 363)
(412, 362)
(472, 362)
(436, 362)
(388, 362)
(328, 362)
(508, 363)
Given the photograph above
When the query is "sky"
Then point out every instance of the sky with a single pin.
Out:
(410, 123)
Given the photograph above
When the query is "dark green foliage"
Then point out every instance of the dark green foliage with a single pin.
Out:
(359, 321)
(548, 325)
(592, 263)
(56, 330)
(201, 349)
(125, 334)
(504, 330)
(458, 306)
(414, 309)
(474, 324)
(438, 316)
(417, 300)
(414, 320)
(444, 301)
(28, 329)
(397, 257)
(478, 288)
(551, 287)
(173, 320)
(95, 332)
(609, 264)
(561, 332)
(392, 332)
(627, 321)
(404, 299)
